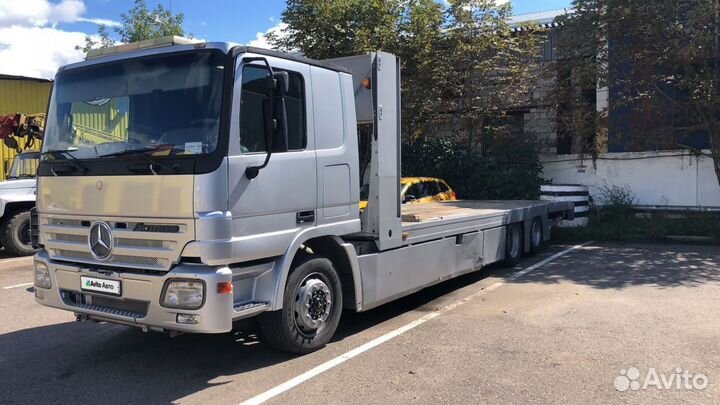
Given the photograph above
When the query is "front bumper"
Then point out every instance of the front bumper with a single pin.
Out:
(139, 304)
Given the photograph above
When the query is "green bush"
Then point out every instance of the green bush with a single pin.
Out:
(614, 204)
(509, 169)
(614, 219)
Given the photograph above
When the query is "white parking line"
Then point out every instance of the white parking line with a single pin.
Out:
(16, 259)
(294, 382)
(17, 286)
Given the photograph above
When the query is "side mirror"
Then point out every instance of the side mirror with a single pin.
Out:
(282, 83)
(409, 198)
(274, 115)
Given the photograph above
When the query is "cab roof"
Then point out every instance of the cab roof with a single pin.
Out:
(174, 43)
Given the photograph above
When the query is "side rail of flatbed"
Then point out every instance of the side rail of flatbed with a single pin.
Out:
(446, 239)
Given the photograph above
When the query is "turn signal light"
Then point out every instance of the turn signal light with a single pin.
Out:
(366, 82)
(224, 288)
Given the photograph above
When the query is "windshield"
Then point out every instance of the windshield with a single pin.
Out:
(165, 105)
(24, 166)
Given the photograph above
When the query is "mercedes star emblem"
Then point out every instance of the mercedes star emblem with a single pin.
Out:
(100, 240)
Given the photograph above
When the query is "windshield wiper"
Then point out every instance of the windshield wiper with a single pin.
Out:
(153, 163)
(69, 158)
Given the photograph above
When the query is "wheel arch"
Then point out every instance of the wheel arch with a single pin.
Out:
(333, 248)
(11, 207)
(341, 254)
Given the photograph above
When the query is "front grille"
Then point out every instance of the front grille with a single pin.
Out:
(71, 254)
(120, 260)
(158, 244)
(136, 244)
(71, 238)
(138, 261)
(106, 305)
(64, 221)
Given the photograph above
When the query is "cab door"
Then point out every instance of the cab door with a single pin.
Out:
(269, 210)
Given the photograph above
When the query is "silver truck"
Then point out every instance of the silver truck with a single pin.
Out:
(17, 198)
(185, 187)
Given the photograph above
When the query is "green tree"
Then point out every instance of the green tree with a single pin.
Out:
(581, 42)
(411, 29)
(463, 66)
(661, 60)
(139, 24)
(463, 69)
(421, 32)
(485, 68)
(323, 29)
(103, 42)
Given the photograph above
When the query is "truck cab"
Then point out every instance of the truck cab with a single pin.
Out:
(186, 161)
(186, 186)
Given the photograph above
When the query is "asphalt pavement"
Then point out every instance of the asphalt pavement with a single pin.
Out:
(604, 323)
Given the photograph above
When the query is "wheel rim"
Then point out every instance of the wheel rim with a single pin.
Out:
(515, 242)
(536, 234)
(313, 304)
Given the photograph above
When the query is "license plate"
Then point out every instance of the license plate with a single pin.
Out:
(100, 285)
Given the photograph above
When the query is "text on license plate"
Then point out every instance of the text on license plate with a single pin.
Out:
(100, 285)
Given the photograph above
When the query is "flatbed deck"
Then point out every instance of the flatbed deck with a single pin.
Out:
(437, 211)
(422, 222)
(445, 210)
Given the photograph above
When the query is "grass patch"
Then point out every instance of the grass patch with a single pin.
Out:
(612, 224)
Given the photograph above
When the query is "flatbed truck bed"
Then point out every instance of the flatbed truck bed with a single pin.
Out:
(258, 215)
(423, 222)
(446, 210)
(442, 240)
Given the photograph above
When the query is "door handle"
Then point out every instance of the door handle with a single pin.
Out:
(304, 217)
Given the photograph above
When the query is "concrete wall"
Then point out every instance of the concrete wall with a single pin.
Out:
(673, 178)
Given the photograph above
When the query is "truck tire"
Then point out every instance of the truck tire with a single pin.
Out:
(513, 244)
(15, 234)
(312, 306)
(537, 237)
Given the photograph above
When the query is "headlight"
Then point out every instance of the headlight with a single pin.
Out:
(42, 275)
(183, 294)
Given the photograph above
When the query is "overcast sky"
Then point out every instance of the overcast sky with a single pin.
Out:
(37, 36)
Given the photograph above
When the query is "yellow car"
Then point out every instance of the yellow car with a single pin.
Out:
(417, 190)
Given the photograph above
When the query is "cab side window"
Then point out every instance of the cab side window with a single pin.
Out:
(252, 136)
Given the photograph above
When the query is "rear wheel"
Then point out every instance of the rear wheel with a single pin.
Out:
(536, 235)
(15, 234)
(513, 244)
(312, 306)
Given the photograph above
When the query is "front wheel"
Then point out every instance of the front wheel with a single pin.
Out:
(15, 234)
(312, 306)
